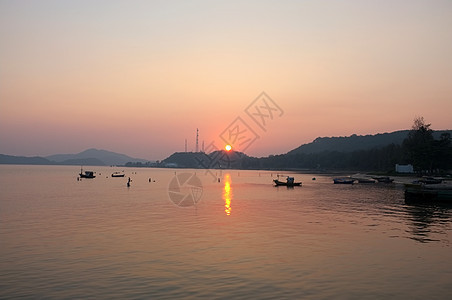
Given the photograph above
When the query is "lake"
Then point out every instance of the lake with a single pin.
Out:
(178, 233)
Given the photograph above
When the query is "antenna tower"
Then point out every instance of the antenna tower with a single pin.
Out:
(197, 136)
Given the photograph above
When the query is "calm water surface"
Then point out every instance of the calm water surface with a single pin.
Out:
(245, 239)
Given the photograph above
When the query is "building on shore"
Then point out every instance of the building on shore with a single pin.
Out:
(404, 168)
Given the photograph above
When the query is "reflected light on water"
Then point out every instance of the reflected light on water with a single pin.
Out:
(98, 238)
(227, 194)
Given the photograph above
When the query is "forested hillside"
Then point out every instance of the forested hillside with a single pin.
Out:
(358, 142)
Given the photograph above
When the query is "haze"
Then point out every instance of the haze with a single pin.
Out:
(138, 77)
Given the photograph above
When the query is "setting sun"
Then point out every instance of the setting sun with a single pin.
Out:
(228, 147)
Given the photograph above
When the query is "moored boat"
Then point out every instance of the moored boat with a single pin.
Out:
(362, 178)
(343, 180)
(290, 181)
(87, 174)
(117, 174)
(384, 179)
(430, 180)
(365, 180)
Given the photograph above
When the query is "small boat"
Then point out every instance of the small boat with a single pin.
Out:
(117, 174)
(384, 179)
(430, 180)
(365, 180)
(290, 181)
(343, 180)
(87, 174)
(362, 178)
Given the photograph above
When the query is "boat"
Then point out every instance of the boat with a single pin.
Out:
(290, 181)
(87, 174)
(362, 178)
(343, 180)
(384, 179)
(429, 180)
(365, 180)
(428, 193)
(117, 174)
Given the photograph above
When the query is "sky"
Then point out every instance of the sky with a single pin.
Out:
(139, 77)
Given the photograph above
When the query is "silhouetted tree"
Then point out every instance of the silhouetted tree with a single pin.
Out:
(423, 151)
(442, 151)
(418, 145)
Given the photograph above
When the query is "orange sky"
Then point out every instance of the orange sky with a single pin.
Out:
(138, 77)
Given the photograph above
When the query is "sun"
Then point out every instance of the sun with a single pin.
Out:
(228, 148)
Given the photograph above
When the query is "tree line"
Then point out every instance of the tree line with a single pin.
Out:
(427, 155)
(420, 148)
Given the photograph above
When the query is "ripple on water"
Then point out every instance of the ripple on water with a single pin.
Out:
(98, 239)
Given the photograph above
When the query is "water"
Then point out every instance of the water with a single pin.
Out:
(244, 239)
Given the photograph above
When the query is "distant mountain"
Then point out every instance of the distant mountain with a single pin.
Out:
(185, 159)
(93, 157)
(22, 160)
(82, 162)
(356, 142)
(90, 157)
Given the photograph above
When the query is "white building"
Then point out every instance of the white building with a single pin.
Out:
(404, 168)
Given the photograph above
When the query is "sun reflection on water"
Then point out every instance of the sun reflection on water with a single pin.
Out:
(227, 194)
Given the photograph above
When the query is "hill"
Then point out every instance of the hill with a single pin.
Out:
(93, 157)
(22, 160)
(90, 157)
(378, 152)
(82, 162)
(200, 160)
(356, 142)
